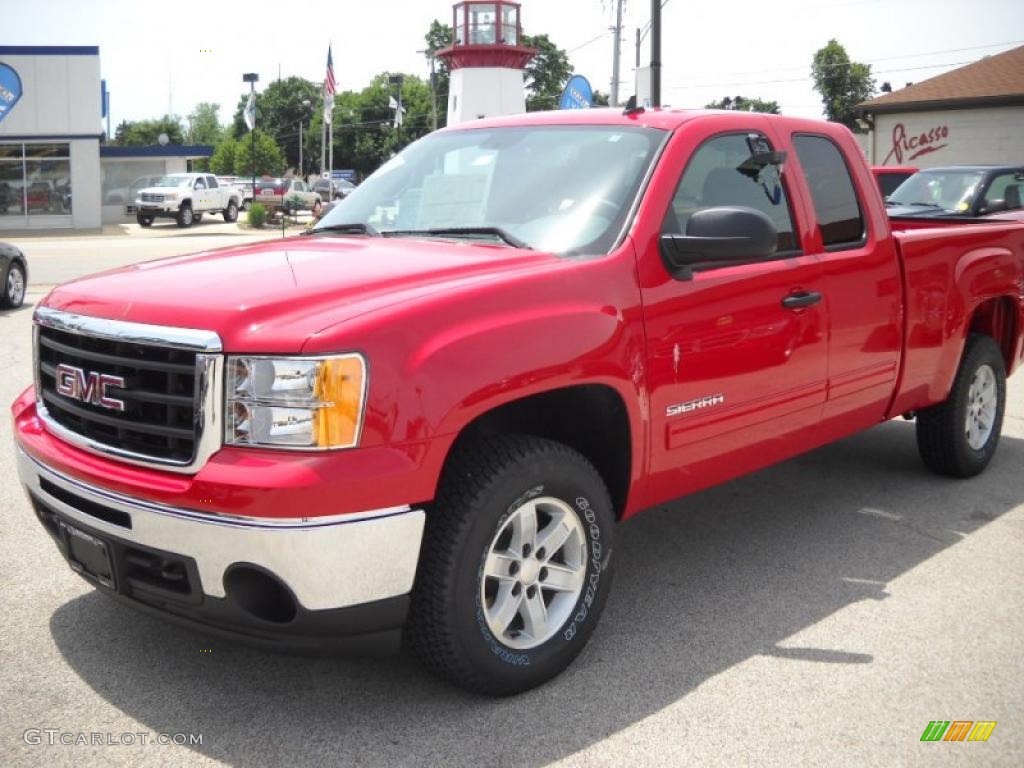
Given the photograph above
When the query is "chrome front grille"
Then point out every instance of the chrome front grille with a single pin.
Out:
(145, 394)
(152, 197)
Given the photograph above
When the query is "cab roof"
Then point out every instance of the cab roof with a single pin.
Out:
(661, 118)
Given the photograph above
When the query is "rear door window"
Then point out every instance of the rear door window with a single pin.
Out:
(714, 177)
(832, 191)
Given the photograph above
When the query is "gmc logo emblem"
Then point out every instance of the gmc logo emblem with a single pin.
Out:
(88, 387)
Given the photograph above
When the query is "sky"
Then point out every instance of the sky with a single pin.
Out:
(159, 57)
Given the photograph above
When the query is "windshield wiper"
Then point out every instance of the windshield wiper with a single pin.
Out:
(927, 205)
(497, 232)
(354, 228)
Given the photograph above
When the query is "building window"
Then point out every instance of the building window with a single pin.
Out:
(483, 24)
(35, 179)
(509, 25)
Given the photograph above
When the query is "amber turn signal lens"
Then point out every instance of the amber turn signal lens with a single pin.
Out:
(340, 388)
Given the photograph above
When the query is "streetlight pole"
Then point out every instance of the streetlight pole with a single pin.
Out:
(252, 78)
(305, 106)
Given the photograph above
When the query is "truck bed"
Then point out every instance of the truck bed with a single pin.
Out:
(951, 266)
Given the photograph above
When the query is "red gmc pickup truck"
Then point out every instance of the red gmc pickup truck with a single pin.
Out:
(424, 418)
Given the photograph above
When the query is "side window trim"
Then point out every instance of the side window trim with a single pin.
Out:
(851, 245)
(788, 253)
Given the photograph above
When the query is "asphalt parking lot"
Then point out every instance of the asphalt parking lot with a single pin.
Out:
(820, 612)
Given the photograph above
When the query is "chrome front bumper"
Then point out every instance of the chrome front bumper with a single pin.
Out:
(327, 563)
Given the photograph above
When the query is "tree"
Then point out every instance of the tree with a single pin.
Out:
(439, 36)
(600, 99)
(136, 133)
(743, 104)
(364, 133)
(203, 125)
(843, 84)
(279, 111)
(224, 155)
(546, 74)
(269, 159)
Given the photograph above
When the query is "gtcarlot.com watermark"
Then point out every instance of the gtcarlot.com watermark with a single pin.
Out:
(55, 737)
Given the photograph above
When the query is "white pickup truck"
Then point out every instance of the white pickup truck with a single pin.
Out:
(185, 197)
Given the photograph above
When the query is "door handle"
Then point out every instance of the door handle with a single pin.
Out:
(801, 300)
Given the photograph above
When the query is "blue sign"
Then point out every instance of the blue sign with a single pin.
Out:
(577, 94)
(10, 90)
(347, 175)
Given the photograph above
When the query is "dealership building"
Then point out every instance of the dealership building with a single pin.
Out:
(971, 115)
(55, 173)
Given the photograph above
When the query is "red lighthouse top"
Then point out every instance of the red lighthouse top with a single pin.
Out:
(487, 34)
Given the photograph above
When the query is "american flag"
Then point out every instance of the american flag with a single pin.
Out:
(330, 86)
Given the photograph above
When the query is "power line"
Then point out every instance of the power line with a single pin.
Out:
(808, 79)
(886, 58)
(590, 41)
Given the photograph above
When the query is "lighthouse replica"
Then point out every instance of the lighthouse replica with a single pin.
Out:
(486, 61)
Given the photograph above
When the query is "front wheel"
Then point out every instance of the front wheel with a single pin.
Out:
(144, 221)
(13, 286)
(515, 565)
(231, 212)
(958, 437)
(185, 216)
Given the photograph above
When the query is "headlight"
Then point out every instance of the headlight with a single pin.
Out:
(314, 403)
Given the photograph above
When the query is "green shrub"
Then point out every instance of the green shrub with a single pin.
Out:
(257, 216)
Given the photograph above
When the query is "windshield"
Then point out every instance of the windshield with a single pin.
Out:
(564, 189)
(949, 190)
(174, 181)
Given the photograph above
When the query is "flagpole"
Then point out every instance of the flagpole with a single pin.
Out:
(323, 146)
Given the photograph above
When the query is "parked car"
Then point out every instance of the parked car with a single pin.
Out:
(429, 413)
(14, 271)
(243, 187)
(337, 189)
(292, 193)
(888, 177)
(126, 195)
(42, 197)
(961, 190)
(185, 197)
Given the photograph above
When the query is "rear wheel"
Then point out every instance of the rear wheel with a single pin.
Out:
(958, 437)
(13, 286)
(317, 207)
(515, 567)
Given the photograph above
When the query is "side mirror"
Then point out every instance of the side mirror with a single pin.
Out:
(719, 237)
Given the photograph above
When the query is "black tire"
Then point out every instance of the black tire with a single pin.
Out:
(942, 430)
(231, 212)
(196, 218)
(185, 217)
(484, 483)
(144, 221)
(13, 283)
(317, 207)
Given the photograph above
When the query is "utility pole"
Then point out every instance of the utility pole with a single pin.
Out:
(655, 53)
(616, 48)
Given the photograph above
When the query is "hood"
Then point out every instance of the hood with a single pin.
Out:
(272, 296)
(162, 190)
